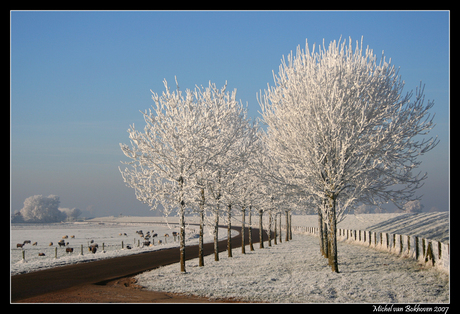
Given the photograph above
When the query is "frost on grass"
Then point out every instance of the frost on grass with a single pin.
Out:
(295, 272)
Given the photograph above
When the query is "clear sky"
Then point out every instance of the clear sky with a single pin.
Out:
(79, 79)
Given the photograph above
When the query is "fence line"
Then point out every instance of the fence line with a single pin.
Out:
(426, 251)
(31, 252)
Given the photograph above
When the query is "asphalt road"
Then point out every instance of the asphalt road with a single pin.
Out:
(101, 271)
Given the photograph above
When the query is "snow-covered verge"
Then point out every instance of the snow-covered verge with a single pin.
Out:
(427, 238)
(101, 230)
(434, 226)
(295, 272)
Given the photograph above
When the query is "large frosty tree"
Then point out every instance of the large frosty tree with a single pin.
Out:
(182, 136)
(344, 131)
(38, 208)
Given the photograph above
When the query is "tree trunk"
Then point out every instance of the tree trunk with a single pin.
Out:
(182, 227)
(275, 235)
(243, 249)
(323, 235)
(333, 235)
(216, 236)
(251, 246)
(261, 230)
(270, 228)
(290, 226)
(320, 228)
(229, 230)
(182, 237)
(200, 243)
(287, 226)
(281, 236)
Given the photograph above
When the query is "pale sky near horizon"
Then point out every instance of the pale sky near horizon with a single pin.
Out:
(79, 79)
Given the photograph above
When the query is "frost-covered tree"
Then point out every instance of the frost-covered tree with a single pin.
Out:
(39, 208)
(413, 207)
(339, 122)
(71, 213)
(182, 136)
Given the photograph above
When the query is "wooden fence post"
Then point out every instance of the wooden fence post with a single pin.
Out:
(400, 244)
(429, 253)
(408, 245)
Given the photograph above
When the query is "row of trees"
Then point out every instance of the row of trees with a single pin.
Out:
(193, 154)
(338, 133)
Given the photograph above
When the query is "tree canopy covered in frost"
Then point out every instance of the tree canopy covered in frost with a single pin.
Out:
(183, 133)
(339, 119)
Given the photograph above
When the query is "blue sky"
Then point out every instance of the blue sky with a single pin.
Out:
(79, 79)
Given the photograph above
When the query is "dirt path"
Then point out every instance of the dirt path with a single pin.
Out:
(108, 280)
(118, 291)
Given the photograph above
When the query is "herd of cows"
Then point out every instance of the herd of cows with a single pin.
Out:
(148, 240)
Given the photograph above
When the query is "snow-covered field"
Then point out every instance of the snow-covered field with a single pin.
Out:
(101, 230)
(295, 271)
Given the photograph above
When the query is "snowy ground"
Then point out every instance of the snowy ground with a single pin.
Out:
(101, 230)
(295, 271)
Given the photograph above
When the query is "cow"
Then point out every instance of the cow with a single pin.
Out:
(65, 237)
(61, 243)
(41, 254)
(19, 245)
(72, 236)
(51, 244)
(35, 244)
(93, 248)
(154, 235)
(69, 250)
(27, 242)
(146, 243)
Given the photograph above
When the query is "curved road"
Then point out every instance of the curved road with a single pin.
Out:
(102, 271)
